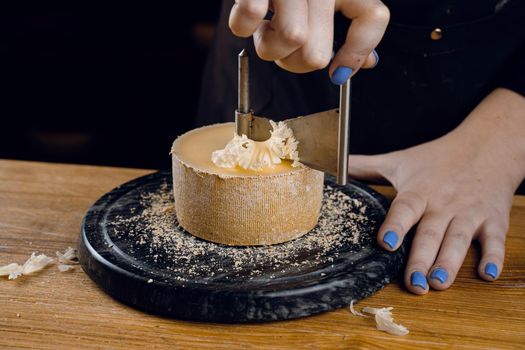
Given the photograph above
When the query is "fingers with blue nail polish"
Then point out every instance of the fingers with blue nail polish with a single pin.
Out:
(439, 274)
(376, 57)
(341, 75)
(491, 269)
(405, 211)
(492, 241)
(371, 60)
(425, 247)
(418, 279)
(364, 34)
(391, 239)
(452, 252)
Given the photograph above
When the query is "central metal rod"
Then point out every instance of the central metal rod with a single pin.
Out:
(343, 137)
(243, 114)
(243, 97)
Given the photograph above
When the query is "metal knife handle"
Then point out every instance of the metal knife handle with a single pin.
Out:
(343, 134)
(243, 114)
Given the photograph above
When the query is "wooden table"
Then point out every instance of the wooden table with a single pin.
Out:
(42, 205)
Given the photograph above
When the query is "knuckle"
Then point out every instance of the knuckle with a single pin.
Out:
(317, 61)
(417, 265)
(499, 239)
(498, 227)
(395, 226)
(252, 9)
(412, 202)
(496, 237)
(467, 221)
(380, 13)
(295, 36)
(446, 194)
(496, 211)
(263, 53)
(238, 31)
(430, 234)
(461, 237)
(504, 226)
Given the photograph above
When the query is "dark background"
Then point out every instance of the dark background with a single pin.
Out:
(101, 85)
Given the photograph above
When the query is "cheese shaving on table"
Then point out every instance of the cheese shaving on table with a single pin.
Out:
(254, 155)
(12, 270)
(34, 264)
(70, 256)
(354, 311)
(64, 268)
(385, 321)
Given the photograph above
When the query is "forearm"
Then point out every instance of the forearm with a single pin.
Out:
(496, 128)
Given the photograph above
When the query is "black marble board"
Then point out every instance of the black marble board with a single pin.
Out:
(165, 270)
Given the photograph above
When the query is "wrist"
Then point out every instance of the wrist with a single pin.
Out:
(494, 133)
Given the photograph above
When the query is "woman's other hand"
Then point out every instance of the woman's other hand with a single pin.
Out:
(458, 188)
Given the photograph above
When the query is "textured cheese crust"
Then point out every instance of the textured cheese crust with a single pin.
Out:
(241, 209)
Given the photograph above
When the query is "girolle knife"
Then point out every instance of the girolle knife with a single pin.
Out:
(323, 137)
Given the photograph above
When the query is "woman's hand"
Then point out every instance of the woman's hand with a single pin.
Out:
(299, 37)
(459, 188)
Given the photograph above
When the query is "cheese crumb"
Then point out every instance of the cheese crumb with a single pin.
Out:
(385, 321)
(253, 155)
(12, 270)
(354, 311)
(64, 267)
(383, 318)
(34, 264)
(70, 256)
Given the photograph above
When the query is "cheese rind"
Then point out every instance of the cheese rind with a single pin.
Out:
(240, 209)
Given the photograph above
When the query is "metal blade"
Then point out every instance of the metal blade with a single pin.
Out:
(317, 135)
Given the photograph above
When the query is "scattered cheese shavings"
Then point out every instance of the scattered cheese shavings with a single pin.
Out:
(64, 268)
(384, 320)
(12, 270)
(354, 311)
(34, 264)
(70, 256)
(253, 155)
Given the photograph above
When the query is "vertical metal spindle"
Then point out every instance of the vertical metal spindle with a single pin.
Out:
(343, 135)
(243, 115)
(243, 95)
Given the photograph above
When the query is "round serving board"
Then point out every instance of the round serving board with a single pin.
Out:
(132, 247)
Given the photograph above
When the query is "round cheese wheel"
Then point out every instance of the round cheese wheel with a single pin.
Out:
(235, 206)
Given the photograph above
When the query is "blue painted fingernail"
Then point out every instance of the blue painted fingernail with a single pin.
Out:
(439, 274)
(341, 74)
(417, 279)
(491, 269)
(390, 239)
(376, 56)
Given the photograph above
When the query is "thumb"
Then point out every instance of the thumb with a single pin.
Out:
(369, 167)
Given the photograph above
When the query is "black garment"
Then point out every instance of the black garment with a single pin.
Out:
(421, 89)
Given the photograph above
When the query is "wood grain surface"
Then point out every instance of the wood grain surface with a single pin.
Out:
(41, 208)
